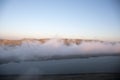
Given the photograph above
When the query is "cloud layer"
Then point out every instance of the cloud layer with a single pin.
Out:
(54, 48)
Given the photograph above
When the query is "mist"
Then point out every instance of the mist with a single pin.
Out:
(54, 48)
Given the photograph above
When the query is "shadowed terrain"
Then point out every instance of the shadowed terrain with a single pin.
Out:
(88, 76)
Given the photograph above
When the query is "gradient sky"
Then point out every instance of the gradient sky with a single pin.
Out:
(91, 19)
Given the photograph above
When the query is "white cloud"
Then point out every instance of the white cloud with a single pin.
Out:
(33, 50)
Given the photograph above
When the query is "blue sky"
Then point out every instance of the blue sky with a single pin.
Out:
(91, 19)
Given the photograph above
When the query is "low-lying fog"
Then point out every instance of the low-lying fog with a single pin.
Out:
(54, 48)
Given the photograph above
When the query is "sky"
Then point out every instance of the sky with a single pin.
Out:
(86, 19)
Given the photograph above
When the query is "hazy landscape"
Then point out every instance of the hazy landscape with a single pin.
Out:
(59, 40)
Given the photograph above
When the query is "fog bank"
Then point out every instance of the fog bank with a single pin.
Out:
(54, 48)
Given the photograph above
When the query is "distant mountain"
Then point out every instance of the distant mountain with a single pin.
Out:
(42, 41)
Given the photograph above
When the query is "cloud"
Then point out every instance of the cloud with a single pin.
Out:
(54, 48)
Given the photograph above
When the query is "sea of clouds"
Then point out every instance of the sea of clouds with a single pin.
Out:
(33, 50)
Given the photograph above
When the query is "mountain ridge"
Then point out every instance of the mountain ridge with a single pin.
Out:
(66, 41)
